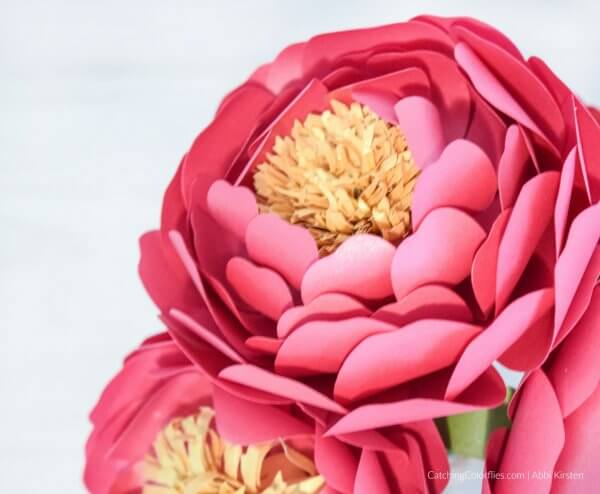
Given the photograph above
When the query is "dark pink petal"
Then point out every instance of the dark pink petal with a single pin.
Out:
(370, 476)
(483, 270)
(426, 302)
(166, 288)
(580, 452)
(512, 167)
(234, 415)
(588, 147)
(486, 128)
(359, 267)
(528, 220)
(462, 177)
(372, 416)
(231, 207)
(506, 329)
(327, 307)
(495, 92)
(563, 199)
(264, 344)
(420, 348)
(320, 347)
(336, 461)
(440, 251)
(536, 438)
(211, 155)
(573, 262)
(255, 377)
(493, 455)
(261, 288)
(285, 68)
(575, 370)
(420, 121)
(522, 84)
(286, 248)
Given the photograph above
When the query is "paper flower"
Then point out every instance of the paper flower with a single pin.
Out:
(154, 433)
(553, 443)
(367, 225)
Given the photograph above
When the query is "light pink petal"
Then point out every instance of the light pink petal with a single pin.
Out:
(256, 377)
(512, 167)
(535, 440)
(286, 67)
(575, 370)
(244, 422)
(462, 177)
(413, 351)
(588, 146)
(440, 251)
(232, 207)
(319, 347)
(483, 270)
(370, 476)
(426, 302)
(528, 220)
(359, 267)
(286, 248)
(420, 121)
(580, 452)
(261, 288)
(506, 329)
(495, 92)
(572, 263)
(336, 461)
(326, 307)
(563, 199)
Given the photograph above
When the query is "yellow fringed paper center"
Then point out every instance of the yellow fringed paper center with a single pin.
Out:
(191, 458)
(342, 172)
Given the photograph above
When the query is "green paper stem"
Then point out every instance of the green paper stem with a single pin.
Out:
(467, 434)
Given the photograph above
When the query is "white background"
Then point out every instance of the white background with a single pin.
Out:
(98, 101)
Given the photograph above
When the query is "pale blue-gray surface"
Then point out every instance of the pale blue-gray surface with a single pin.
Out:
(98, 101)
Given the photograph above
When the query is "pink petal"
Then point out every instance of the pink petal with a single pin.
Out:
(575, 370)
(483, 270)
(563, 199)
(244, 422)
(231, 207)
(336, 461)
(420, 348)
(264, 344)
(588, 146)
(426, 302)
(535, 440)
(255, 377)
(486, 128)
(580, 452)
(506, 329)
(528, 221)
(440, 251)
(327, 307)
(370, 476)
(261, 288)
(462, 177)
(359, 267)
(320, 347)
(495, 92)
(512, 167)
(572, 263)
(420, 121)
(286, 248)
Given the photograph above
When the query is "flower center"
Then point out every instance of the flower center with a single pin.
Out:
(342, 172)
(190, 458)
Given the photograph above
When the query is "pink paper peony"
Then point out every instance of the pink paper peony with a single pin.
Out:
(368, 224)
